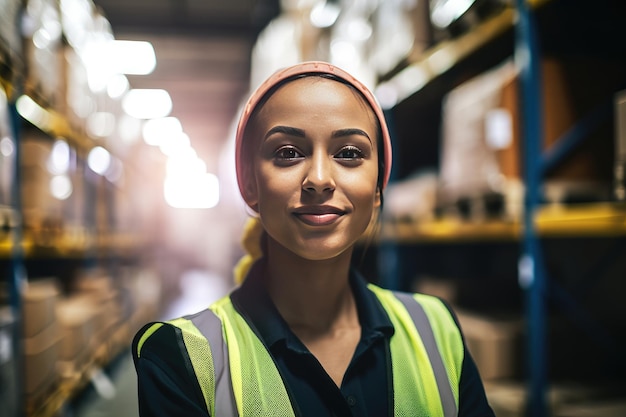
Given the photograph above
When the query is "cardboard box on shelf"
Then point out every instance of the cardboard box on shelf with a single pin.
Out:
(43, 52)
(35, 152)
(495, 343)
(481, 144)
(42, 212)
(39, 300)
(10, 39)
(144, 287)
(76, 317)
(102, 293)
(40, 359)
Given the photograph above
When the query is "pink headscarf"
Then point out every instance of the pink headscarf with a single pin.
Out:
(313, 67)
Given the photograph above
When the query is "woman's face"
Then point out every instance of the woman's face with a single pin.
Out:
(314, 177)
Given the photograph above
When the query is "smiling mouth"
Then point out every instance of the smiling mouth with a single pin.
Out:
(319, 216)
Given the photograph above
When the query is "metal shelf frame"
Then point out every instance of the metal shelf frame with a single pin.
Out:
(17, 273)
(531, 269)
(533, 275)
(538, 221)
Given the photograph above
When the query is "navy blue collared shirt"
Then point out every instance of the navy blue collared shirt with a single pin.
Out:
(365, 390)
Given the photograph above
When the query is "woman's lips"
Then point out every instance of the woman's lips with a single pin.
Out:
(318, 219)
(318, 215)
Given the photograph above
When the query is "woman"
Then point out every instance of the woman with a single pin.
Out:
(304, 334)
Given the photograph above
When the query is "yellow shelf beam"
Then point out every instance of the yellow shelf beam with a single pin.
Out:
(424, 66)
(605, 219)
(588, 220)
(78, 243)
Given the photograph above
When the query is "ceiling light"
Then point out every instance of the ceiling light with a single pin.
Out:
(157, 131)
(444, 12)
(129, 129)
(324, 14)
(117, 86)
(7, 147)
(196, 192)
(99, 160)
(147, 103)
(131, 57)
(60, 158)
(100, 124)
(61, 187)
(174, 143)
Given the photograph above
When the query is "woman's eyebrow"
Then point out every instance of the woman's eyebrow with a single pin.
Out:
(291, 131)
(350, 132)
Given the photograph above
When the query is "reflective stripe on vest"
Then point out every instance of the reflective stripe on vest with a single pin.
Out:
(425, 333)
(211, 327)
(417, 313)
(416, 342)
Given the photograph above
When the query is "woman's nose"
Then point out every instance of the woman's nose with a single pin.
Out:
(319, 175)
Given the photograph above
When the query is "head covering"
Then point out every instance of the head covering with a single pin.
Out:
(311, 67)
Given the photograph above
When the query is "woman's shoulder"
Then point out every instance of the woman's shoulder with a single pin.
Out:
(155, 337)
(160, 336)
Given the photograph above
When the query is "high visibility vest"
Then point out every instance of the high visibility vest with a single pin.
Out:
(238, 377)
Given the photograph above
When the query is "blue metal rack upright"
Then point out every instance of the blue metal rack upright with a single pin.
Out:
(16, 272)
(531, 273)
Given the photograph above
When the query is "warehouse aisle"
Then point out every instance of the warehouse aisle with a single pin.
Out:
(114, 391)
(115, 400)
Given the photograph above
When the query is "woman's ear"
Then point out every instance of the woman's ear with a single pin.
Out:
(250, 194)
(377, 199)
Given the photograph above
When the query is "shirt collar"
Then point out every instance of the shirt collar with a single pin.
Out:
(255, 305)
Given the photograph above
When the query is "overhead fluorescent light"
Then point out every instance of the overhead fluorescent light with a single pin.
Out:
(324, 14)
(147, 103)
(199, 191)
(99, 160)
(157, 131)
(131, 57)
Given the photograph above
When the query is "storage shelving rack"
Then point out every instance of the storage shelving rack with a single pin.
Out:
(12, 271)
(66, 252)
(26, 254)
(512, 31)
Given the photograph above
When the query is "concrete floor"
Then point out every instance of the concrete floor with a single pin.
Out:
(115, 395)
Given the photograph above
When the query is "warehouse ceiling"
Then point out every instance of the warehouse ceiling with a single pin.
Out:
(203, 58)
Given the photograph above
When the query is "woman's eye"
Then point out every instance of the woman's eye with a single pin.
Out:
(350, 152)
(287, 153)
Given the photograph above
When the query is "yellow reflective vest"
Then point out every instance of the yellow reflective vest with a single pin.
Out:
(238, 377)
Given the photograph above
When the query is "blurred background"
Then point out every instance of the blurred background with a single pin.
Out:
(119, 203)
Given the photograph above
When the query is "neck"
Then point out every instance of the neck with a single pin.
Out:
(310, 294)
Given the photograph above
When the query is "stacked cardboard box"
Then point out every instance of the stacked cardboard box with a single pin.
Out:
(482, 146)
(76, 317)
(42, 213)
(9, 28)
(144, 288)
(43, 51)
(103, 296)
(41, 338)
(494, 342)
